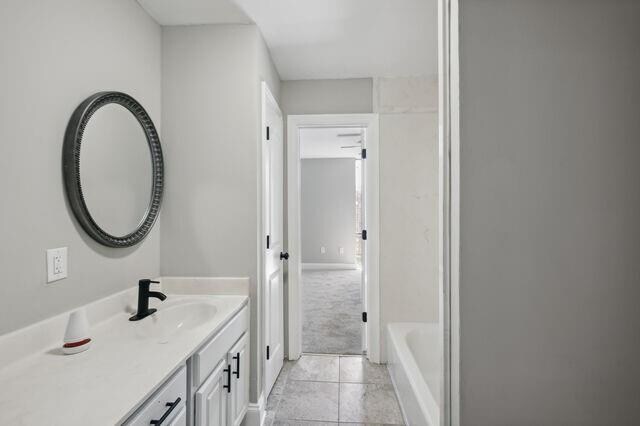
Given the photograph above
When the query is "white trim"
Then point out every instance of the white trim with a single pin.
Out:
(256, 413)
(329, 266)
(294, 123)
(449, 207)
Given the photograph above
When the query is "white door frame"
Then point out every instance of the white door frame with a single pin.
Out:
(449, 207)
(294, 123)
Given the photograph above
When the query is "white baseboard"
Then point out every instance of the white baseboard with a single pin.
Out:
(255, 413)
(329, 266)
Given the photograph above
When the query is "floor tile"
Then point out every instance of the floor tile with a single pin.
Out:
(278, 386)
(268, 418)
(273, 401)
(302, 423)
(309, 401)
(355, 369)
(369, 403)
(320, 368)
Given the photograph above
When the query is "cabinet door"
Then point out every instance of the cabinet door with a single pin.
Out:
(238, 359)
(212, 397)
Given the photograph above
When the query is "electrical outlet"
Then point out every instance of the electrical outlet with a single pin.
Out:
(323, 250)
(341, 251)
(56, 264)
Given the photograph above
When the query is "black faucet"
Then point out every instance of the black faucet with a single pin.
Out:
(143, 299)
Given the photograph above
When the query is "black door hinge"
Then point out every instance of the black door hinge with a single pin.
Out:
(364, 153)
(268, 241)
(364, 317)
(268, 354)
(268, 133)
(364, 234)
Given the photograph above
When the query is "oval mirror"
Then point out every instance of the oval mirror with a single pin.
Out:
(113, 169)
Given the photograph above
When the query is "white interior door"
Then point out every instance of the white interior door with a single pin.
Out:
(273, 208)
(363, 240)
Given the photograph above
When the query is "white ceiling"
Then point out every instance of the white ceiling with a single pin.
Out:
(348, 38)
(191, 12)
(327, 142)
(326, 38)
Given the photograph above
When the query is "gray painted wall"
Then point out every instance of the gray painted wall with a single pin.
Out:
(550, 208)
(327, 96)
(327, 209)
(212, 119)
(51, 61)
(209, 137)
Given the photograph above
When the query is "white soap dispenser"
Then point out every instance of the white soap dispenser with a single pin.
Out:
(76, 336)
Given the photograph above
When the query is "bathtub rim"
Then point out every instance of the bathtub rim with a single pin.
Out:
(397, 333)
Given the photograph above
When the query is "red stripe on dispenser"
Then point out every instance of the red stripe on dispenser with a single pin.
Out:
(76, 344)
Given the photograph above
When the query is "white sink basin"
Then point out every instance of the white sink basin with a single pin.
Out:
(174, 318)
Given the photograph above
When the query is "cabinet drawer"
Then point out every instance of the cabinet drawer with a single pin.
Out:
(156, 406)
(208, 357)
(181, 418)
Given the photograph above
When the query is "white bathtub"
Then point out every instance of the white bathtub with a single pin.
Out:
(414, 361)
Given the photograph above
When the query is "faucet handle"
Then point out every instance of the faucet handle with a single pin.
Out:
(147, 281)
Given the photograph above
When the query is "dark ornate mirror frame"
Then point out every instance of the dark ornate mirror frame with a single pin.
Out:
(71, 167)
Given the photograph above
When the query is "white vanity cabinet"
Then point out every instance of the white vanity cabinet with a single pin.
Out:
(223, 398)
(222, 395)
(212, 389)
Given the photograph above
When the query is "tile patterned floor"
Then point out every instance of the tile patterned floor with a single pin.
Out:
(331, 312)
(327, 390)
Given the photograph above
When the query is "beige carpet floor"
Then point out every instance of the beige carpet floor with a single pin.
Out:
(331, 312)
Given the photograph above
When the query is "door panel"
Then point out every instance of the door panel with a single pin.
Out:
(238, 359)
(274, 325)
(273, 205)
(211, 398)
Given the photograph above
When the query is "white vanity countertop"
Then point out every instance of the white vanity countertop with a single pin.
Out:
(105, 384)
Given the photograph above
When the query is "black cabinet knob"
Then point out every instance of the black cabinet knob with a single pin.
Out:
(284, 256)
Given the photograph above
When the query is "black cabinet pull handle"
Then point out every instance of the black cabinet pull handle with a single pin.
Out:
(237, 358)
(166, 414)
(284, 256)
(228, 385)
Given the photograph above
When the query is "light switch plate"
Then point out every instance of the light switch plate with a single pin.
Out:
(56, 264)
(323, 250)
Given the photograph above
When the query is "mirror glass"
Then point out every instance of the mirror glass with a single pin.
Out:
(116, 170)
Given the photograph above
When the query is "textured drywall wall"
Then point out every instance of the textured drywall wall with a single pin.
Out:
(408, 199)
(54, 55)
